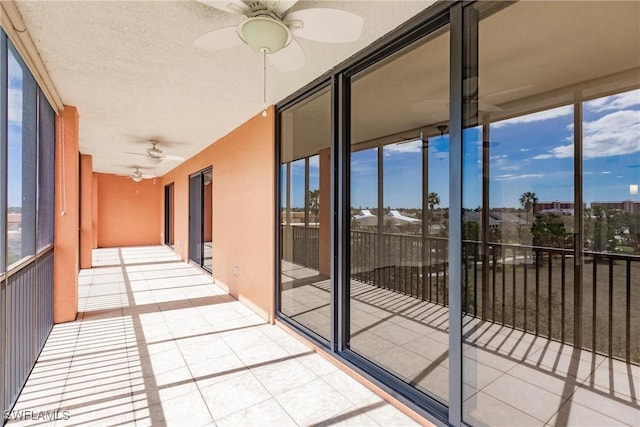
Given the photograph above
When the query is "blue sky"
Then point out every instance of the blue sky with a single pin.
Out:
(14, 151)
(528, 153)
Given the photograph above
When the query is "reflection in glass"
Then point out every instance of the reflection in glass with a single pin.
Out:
(21, 160)
(305, 254)
(399, 215)
(46, 148)
(14, 166)
(547, 133)
(207, 220)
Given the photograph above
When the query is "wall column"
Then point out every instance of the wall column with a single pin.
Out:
(86, 211)
(325, 212)
(94, 211)
(67, 221)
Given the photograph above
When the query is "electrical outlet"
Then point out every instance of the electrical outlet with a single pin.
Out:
(235, 271)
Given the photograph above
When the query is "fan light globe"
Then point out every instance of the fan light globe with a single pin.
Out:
(136, 178)
(265, 35)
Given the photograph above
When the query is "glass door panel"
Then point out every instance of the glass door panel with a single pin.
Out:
(547, 134)
(305, 179)
(398, 297)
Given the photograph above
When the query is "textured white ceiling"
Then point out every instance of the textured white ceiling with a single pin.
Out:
(133, 73)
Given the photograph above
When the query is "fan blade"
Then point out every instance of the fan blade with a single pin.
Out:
(135, 154)
(148, 176)
(172, 157)
(281, 5)
(219, 39)
(236, 7)
(325, 25)
(288, 59)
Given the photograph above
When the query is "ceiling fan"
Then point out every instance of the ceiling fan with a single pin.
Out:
(137, 174)
(269, 28)
(156, 155)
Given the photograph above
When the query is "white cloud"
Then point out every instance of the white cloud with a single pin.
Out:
(501, 162)
(314, 162)
(511, 177)
(605, 172)
(614, 134)
(363, 167)
(403, 147)
(614, 102)
(15, 106)
(537, 117)
(524, 150)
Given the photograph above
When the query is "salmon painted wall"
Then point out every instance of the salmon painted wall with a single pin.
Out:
(129, 213)
(94, 211)
(67, 218)
(243, 219)
(86, 213)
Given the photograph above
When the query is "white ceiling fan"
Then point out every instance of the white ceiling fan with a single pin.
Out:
(269, 28)
(155, 155)
(137, 174)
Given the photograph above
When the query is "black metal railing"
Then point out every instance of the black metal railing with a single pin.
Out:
(525, 287)
(398, 263)
(529, 288)
(300, 245)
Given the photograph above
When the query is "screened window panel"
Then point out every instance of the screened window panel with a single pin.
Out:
(46, 165)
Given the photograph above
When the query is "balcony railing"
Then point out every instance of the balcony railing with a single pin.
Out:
(525, 287)
(529, 288)
(304, 245)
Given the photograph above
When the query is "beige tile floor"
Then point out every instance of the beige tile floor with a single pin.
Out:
(510, 378)
(156, 343)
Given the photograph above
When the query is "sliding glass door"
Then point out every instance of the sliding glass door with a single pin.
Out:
(398, 205)
(169, 215)
(305, 170)
(551, 262)
(479, 171)
(201, 219)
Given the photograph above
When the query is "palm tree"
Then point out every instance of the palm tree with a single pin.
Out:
(527, 201)
(433, 200)
(314, 203)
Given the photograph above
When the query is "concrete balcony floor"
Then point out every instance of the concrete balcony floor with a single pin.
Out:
(510, 377)
(156, 343)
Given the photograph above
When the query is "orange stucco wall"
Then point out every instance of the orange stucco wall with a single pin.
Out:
(243, 218)
(129, 213)
(94, 211)
(66, 221)
(86, 215)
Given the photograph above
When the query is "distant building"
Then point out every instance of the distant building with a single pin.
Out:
(296, 217)
(472, 216)
(400, 219)
(366, 219)
(14, 221)
(556, 207)
(625, 206)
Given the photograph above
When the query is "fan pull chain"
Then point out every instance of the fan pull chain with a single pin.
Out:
(264, 83)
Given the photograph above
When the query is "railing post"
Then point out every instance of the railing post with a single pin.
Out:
(485, 223)
(578, 211)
